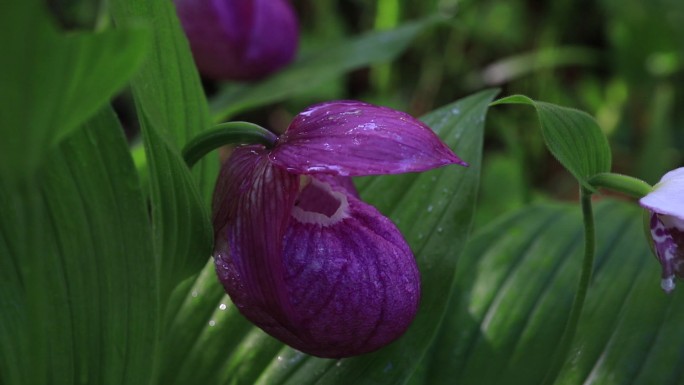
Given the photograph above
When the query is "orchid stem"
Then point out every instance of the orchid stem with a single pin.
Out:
(625, 184)
(223, 134)
(582, 288)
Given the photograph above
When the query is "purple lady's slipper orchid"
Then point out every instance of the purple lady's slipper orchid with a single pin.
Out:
(299, 253)
(239, 39)
(666, 204)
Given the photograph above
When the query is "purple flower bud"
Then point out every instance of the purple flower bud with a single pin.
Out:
(239, 39)
(299, 253)
(666, 204)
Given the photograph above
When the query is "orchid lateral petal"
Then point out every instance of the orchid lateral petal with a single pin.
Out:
(352, 138)
(252, 204)
(667, 196)
(353, 282)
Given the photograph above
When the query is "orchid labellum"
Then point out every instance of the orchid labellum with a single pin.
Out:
(299, 253)
(666, 204)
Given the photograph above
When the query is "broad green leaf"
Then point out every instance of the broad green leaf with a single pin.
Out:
(572, 136)
(514, 289)
(52, 82)
(79, 291)
(318, 67)
(168, 88)
(210, 343)
(183, 235)
(172, 109)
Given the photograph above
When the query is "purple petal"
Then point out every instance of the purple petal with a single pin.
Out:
(234, 39)
(252, 205)
(351, 277)
(356, 138)
(667, 196)
(668, 242)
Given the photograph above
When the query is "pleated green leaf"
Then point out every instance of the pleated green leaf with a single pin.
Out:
(79, 289)
(572, 136)
(514, 289)
(182, 233)
(52, 82)
(319, 67)
(167, 87)
(209, 342)
(172, 109)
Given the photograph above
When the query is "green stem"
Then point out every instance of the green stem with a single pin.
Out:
(628, 185)
(582, 288)
(223, 134)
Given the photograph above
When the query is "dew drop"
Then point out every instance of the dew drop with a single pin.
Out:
(222, 306)
(195, 293)
(429, 209)
(212, 323)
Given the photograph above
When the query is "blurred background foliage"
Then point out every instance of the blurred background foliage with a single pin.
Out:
(622, 61)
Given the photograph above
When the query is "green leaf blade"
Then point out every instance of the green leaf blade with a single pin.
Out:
(167, 87)
(85, 292)
(52, 83)
(514, 290)
(172, 109)
(183, 236)
(572, 136)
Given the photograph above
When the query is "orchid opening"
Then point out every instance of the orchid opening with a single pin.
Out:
(296, 249)
(666, 205)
